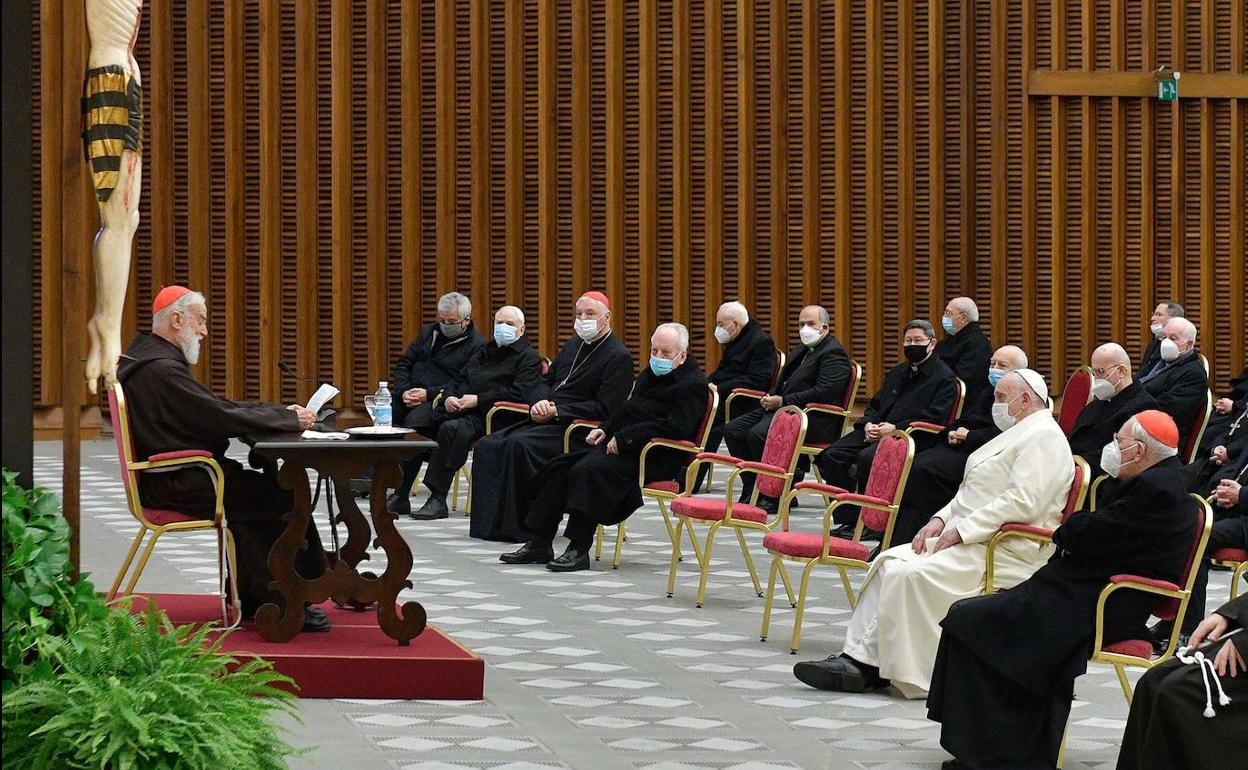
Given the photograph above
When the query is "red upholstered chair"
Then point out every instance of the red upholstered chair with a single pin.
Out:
(749, 395)
(1074, 501)
(959, 400)
(835, 411)
(774, 477)
(666, 489)
(158, 521)
(879, 503)
(1139, 652)
(1234, 559)
(1075, 396)
(1197, 430)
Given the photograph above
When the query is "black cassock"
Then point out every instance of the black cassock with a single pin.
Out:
(1096, 424)
(1180, 388)
(749, 361)
(1167, 729)
(596, 487)
(170, 411)
(430, 362)
(1219, 423)
(1006, 665)
(588, 381)
(968, 354)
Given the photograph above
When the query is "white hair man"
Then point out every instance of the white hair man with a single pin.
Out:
(1023, 475)
(597, 482)
(171, 411)
(506, 368)
(1179, 381)
(966, 350)
(589, 380)
(1156, 327)
(748, 361)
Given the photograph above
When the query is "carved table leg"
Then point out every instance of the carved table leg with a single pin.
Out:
(398, 564)
(281, 624)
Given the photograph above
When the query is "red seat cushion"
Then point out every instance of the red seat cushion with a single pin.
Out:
(709, 509)
(1136, 648)
(1231, 554)
(664, 486)
(161, 517)
(809, 545)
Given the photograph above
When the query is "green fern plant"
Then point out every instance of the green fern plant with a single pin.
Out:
(142, 694)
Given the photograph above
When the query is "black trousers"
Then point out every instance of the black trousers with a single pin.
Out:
(846, 464)
(1227, 533)
(717, 435)
(455, 434)
(747, 436)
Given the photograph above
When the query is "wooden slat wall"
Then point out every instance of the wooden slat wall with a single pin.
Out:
(324, 169)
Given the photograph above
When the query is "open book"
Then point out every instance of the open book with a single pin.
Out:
(321, 397)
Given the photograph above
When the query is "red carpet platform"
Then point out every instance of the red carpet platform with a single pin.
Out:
(353, 660)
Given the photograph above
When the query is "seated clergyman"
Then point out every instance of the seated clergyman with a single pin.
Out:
(597, 482)
(504, 369)
(171, 411)
(1023, 475)
(1007, 663)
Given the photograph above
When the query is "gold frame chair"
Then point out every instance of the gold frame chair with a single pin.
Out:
(842, 411)
(1193, 447)
(746, 393)
(959, 402)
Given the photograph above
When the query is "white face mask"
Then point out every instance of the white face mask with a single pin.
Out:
(1169, 350)
(1103, 390)
(1001, 414)
(1156, 330)
(586, 328)
(722, 336)
(809, 334)
(1111, 459)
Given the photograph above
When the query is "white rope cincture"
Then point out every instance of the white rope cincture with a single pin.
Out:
(1207, 671)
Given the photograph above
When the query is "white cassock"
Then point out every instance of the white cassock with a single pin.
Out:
(1023, 475)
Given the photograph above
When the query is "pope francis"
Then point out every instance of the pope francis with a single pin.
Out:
(1022, 475)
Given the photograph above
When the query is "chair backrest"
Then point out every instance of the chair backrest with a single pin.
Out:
(959, 400)
(120, 418)
(851, 389)
(1168, 609)
(1197, 431)
(546, 364)
(1074, 398)
(775, 373)
(889, 470)
(784, 439)
(708, 420)
(1078, 488)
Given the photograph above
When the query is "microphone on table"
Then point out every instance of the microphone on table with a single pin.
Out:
(325, 419)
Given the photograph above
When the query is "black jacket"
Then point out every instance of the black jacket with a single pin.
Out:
(1181, 390)
(588, 380)
(1042, 629)
(749, 361)
(1152, 357)
(423, 366)
(817, 375)
(967, 353)
(494, 373)
(671, 406)
(910, 394)
(1239, 390)
(1096, 424)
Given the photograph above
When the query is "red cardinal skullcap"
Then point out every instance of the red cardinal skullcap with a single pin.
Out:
(168, 296)
(1160, 426)
(597, 296)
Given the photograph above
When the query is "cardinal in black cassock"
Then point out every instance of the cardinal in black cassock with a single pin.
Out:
(596, 481)
(589, 380)
(171, 411)
(1006, 665)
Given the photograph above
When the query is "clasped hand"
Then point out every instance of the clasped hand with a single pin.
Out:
(543, 411)
(770, 402)
(595, 438)
(936, 527)
(455, 404)
(878, 430)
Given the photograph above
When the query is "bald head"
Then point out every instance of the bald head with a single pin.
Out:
(1110, 364)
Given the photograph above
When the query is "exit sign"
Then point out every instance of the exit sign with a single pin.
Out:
(1168, 87)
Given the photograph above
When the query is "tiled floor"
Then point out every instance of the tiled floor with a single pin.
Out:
(597, 669)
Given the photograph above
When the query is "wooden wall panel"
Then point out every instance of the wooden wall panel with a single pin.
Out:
(324, 169)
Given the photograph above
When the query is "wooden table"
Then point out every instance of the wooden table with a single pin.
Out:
(341, 461)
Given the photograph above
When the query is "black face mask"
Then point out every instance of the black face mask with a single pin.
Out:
(915, 353)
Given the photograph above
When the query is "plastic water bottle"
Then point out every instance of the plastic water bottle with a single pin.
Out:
(381, 408)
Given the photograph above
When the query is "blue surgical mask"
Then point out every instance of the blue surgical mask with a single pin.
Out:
(946, 323)
(505, 334)
(660, 366)
(995, 375)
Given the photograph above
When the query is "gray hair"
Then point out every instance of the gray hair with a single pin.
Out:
(519, 313)
(1189, 328)
(1151, 445)
(735, 311)
(1015, 355)
(968, 306)
(179, 305)
(682, 333)
(824, 318)
(1174, 309)
(453, 300)
(922, 326)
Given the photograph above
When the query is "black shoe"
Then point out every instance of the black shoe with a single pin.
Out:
(399, 503)
(1160, 634)
(843, 531)
(434, 508)
(571, 560)
(837, 673)
(315, 620)
(769, 504)
(529, 553)
(954, 764)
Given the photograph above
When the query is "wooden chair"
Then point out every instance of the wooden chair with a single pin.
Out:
(663, 490)
(834, 411)
(774, 475)
(955, 412)
(1075, 396)
(1016, 530)
(159, 521)
(880, 502)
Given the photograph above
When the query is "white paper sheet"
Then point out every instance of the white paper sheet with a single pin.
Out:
(321, 397)
(319, 435)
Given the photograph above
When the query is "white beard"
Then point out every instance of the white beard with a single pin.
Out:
(190, 348)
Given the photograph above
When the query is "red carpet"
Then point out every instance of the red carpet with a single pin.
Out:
(353, 660)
